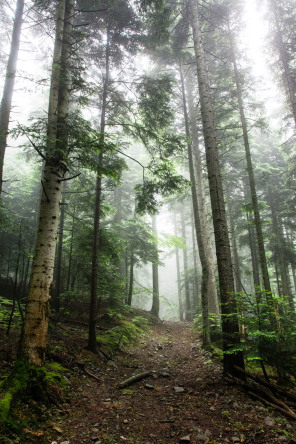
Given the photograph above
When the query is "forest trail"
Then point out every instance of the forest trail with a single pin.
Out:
(185, 399)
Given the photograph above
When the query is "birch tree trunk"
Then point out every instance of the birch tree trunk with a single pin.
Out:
(6, 102)
(231, 339)
(34, 332)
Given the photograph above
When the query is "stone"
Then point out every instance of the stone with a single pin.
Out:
(282, 438)
(164, 375)
(185, 438)
(179, 389)
(270, 422)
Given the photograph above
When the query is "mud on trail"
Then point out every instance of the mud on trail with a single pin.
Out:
(184, 400)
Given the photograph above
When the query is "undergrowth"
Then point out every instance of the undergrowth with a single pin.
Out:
(125, 332)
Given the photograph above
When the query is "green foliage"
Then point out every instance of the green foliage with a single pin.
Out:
(154, 104)
(165, 182)
(126, 332)
(270, 332)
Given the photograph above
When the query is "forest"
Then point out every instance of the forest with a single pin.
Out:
(147, 218)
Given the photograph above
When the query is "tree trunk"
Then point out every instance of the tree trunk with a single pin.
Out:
(55, 300)
(180, 304)
(279, 253)
(70, 254)
(284, 59)
(230, 328)
(6, 102)
(34, 332)
(254, 199)
(236, 261)
(205, 253)
(253, 248)
(194, 253)
(198, 227)
(131, 281)
(155, 278)
(188, 316)
(93, 306)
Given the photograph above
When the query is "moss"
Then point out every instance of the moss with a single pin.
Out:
(29, 381)
(5, 404)
(16, 383)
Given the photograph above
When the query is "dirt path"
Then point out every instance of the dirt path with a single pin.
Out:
(185, 399)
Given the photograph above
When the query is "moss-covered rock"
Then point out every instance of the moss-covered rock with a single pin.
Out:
(44, 384)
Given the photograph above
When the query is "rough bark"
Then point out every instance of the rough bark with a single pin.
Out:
(155, 278)
(34, 332)
(204, 228)
(55, 299)
(198, 225)
(6, 102)
(230, 328)
(195, 298)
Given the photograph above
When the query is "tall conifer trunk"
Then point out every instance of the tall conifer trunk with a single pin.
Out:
(6, 102)
(198, 226)
(55, 298)
(180, 303)
(288, 79)
(155, 278)
(34, 332)
(204, 228)
(230, 328)
(255, 207)
(186, 283)
(93, 306)
(195, 298)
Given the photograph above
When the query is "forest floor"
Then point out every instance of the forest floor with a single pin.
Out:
(184, 400)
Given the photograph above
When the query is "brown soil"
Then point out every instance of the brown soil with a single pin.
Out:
(184, 400)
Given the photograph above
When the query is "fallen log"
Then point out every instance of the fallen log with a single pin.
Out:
(133, 379)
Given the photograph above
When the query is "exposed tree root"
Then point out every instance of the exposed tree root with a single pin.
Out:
(265, 392)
